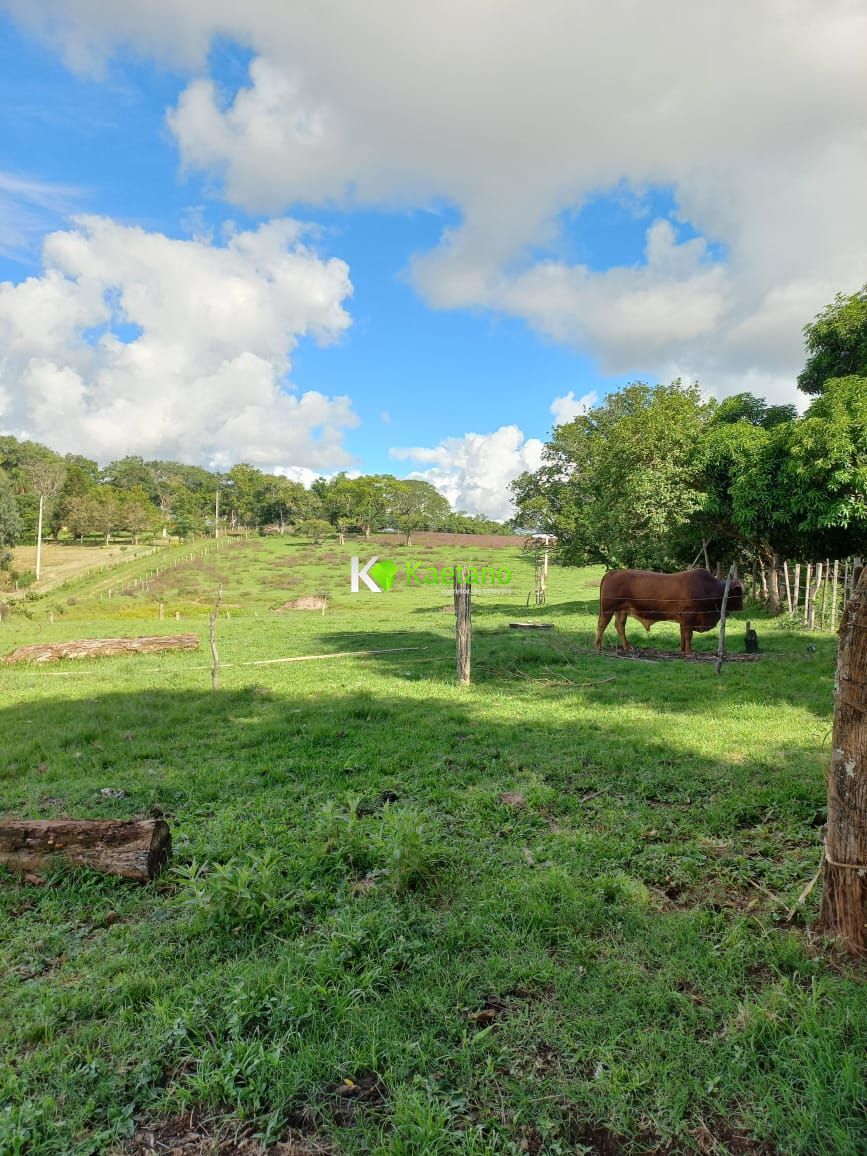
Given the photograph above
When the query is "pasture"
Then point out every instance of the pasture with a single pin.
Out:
(545, 913)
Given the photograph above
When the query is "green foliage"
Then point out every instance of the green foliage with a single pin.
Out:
(10, 522)
(316, 529)
(836, 342)
(618, 484)
(252, 894)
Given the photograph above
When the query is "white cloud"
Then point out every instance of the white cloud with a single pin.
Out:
(753, 115)
(131, 342)
(569, 406)
(474, 471)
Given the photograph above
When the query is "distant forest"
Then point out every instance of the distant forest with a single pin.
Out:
(134, 498)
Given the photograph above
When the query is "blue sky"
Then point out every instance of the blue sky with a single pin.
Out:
(493, 269)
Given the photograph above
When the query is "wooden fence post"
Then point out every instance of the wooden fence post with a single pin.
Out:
(721, 648)
(463, 591)
(808, 589)
(788, 587)
(844, 870)
(814, 593)
(796, 593)
(834, 596)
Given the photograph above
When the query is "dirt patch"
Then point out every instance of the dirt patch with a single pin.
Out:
(459, 541)
(305, 602)
(348, 1098)
(651, 654)
(203, 1133)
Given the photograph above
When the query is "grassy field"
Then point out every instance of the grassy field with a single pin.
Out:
(546, 913)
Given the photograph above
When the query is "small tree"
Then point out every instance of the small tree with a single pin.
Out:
(316, 529)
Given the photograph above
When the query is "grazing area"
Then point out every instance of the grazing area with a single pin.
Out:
(552, 911)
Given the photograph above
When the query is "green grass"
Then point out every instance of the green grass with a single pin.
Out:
(605, 966)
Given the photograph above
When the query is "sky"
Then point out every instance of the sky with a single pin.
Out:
(322, 235)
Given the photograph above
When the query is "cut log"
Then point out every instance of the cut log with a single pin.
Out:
(130, 848)
(531, 625)
(101, 647)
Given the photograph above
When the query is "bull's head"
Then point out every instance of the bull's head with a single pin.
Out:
(736, 596)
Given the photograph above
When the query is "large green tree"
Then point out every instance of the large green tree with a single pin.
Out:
(618, 484)
(836, 342)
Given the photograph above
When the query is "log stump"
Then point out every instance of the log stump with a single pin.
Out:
(101, 647)
(130, 848)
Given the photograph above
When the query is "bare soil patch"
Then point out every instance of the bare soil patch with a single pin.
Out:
(461, 541)
(203, 1133)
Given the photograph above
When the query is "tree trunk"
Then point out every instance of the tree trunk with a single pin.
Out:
(100, 648)
(39, 537)
(133, 849)
(844, 870)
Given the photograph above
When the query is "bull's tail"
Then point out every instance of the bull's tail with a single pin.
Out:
(605, 616)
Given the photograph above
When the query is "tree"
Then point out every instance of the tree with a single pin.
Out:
(44, 474)
(315, 529)
(417, 505)
(137, 514)
(618, 484)
(836, 342)
(10, 522)
(131, 473)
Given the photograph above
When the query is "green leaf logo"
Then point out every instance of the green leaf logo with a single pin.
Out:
(383, 573)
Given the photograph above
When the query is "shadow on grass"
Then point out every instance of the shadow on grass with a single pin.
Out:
(552, 907)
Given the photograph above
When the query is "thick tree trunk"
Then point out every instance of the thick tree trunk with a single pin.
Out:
(101, 648)
(844, 871)
(132, 849)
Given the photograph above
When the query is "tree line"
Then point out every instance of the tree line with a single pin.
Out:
(657, 477)
(70, 496)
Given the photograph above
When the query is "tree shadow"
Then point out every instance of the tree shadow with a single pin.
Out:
(572, 851)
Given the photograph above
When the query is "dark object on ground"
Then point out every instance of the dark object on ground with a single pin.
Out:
(692, 598)
(101, 647)
(135, 849)
(751, 640)
(531, 625)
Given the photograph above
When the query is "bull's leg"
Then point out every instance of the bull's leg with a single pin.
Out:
(685, 639)
(620, 623)
(605, 617)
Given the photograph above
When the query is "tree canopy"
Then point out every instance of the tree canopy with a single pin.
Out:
(836, 343)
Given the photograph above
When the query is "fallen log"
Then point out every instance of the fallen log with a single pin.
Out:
(101, 647)
(130, 848)
(531, 625)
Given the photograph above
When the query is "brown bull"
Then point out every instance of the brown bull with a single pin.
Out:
(693, 598)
